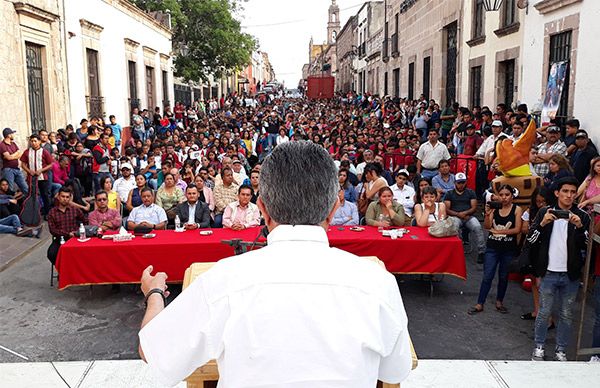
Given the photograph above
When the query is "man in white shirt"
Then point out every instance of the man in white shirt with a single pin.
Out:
(488, 144)
(242, 213)
(403, 193)
(125, 183)
(148, 214)
(368, 158)
(296, 313)
(430, 154)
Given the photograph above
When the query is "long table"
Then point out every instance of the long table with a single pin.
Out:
(100, 261)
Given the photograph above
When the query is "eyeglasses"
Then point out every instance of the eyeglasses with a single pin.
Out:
(101, 199)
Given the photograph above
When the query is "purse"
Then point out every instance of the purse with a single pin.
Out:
(363, 202)
(443, 228)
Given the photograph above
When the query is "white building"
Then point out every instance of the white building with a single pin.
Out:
(118, 57)
(552, 33)
(492, 54)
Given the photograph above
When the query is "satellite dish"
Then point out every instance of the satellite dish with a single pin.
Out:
(522, 4)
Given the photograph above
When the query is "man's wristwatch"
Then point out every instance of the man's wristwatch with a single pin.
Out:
(155, 291)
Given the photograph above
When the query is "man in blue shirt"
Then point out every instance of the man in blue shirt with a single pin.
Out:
(347, 213)
(443, 181)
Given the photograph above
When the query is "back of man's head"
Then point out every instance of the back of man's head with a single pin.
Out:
(298, 184)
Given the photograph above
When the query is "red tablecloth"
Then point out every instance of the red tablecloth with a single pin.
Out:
(105, 262)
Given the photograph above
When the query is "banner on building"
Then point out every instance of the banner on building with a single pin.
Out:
(556, 80)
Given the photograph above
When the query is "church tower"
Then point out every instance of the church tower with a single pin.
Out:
(333, 24)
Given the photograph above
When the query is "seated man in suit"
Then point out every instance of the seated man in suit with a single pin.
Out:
(199, 210)
(148, 214)
(242, 213)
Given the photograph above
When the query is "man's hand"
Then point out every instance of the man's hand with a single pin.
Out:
(575, 220)
(190, 226)
(150, 282)
(548, 218)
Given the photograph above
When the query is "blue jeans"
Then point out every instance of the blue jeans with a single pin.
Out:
(473, 225)
(10, 224)
(428, 174)
(218, 222)
(15, 176)
(596, 330)
(552, 285)
(271, 140)
(500, 259)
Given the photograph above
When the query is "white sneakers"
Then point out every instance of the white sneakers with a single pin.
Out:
(538, 354)
(595, 359)
(560, 356)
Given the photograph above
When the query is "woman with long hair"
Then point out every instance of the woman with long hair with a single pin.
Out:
(385, 211)
(349, 190)
(504, 226)
(134, 199)
(114, 202)
(559, 168)
(169, 196)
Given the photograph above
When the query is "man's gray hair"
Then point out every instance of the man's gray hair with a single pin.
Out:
(298, 183)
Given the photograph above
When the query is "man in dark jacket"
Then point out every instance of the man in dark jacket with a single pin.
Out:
(193, 213)
(558, 238)
(583, 155)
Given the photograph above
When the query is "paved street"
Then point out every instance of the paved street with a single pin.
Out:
(84, 323)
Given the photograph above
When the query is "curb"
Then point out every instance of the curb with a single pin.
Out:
(17, 258)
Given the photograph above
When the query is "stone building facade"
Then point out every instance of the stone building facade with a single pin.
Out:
(492, 62)
(33, 82)
(346, 56)
(421, 49)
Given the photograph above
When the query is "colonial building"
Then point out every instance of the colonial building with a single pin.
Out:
(322, 58)
(421, 49)
(118, 58)
(346, 53)
(492, 54)
(552, 34)
(33, 82)
(371, 29)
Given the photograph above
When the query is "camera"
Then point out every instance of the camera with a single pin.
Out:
(495, 205)
(560, 214)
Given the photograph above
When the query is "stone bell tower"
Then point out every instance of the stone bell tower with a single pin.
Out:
(333, 23)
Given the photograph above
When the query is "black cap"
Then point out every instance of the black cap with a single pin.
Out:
(8, 131)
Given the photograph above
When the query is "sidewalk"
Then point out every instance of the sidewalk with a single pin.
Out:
(429, 374)
(13, 248)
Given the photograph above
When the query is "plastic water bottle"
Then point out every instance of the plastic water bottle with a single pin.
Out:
(62, 240)
(177, 222)
(81, 232)
(380, 227)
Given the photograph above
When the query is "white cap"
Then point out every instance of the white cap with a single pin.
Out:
(460, 177)
(126, 165)
(496, 123)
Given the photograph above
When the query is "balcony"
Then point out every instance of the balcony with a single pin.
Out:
(395, 45)
(95, 106)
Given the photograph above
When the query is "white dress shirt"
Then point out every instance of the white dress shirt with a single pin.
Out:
(123, 186)
(405, 197)
(295, 314)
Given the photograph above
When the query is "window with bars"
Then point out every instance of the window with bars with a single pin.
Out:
(509, 14)
(475, 86)
(560, 50)
(35, 86)
(478, 20)
(150, 86)
(426, 77)
(507, 69)
(396, 82)
(411, 81)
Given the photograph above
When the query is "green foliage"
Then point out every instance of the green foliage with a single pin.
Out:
(207, 38)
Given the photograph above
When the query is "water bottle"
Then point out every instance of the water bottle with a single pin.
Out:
(380, 227)
(81, 232)
(62, 240)
(177, 222)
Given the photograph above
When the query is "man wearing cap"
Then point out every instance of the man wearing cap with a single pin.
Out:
(10, 153)
(125, 183)
(553, 145)
(488, 144)
(461, 205)
(403, 193)
(238, 168)
(583, 155)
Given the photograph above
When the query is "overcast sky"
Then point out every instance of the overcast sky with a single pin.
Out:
(284, 28)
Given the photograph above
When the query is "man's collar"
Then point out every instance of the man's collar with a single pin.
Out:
(288, 233)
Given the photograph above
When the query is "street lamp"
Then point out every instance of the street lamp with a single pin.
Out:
(492, 5)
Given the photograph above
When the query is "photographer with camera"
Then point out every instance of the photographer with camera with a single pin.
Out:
(558, 238)
(504, 224)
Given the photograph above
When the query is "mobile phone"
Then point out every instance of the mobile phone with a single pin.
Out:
(560, 214)
(495, 205)
(149, 235)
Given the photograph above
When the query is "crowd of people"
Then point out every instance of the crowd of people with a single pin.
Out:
(199, 166)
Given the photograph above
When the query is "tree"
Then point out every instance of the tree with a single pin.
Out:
(207, 38)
